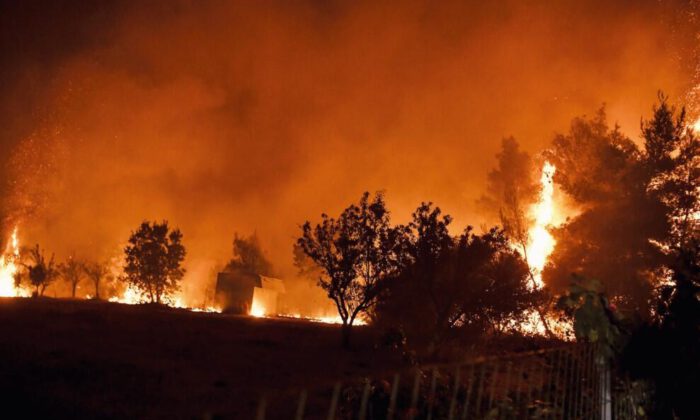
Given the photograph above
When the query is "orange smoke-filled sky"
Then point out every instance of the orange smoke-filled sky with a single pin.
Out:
(226, 117)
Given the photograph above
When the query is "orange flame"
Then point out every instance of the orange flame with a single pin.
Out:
(9, 267)
(541, 243)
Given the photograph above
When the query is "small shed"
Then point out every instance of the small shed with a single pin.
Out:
(240, 292)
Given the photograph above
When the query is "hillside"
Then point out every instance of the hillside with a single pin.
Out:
(87, 359)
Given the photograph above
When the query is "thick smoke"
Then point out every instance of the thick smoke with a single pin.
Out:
(255, 116)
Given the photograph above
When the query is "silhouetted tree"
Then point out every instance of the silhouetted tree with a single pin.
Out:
(454, 287)
(72, 272)
(248, 256)
(510, 191)
(153, 260)
(638, 234)
(41, 272)
(356, 251)
(96, 271)
(666, 350)
(671, 161)
(616, 236)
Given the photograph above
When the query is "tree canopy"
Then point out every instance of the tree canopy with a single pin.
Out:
(636, 203)
(454, 287)
(248, 256)
(153, 260)
(356, 251)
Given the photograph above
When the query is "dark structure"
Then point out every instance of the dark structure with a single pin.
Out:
(242, 292)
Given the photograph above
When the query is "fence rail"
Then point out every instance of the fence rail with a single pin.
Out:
(569, 382)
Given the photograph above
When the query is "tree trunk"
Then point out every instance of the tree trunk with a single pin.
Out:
(74, 286)
(97, 289)
(345, 335)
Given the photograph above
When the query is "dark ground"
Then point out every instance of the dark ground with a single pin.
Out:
(88, 359)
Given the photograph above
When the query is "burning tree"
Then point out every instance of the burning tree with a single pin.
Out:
(512, 193)
(153, 260)
(72, 271)
(356, 252)
(41, 273)
(637, 203)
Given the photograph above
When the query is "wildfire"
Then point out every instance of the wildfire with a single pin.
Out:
(696, 126)
(9, 268)
(258, 310)
(541, 243)
(134, 296)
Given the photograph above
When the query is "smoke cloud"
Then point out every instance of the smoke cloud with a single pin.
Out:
(255, 116)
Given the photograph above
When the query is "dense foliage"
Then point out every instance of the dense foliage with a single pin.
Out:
(153, 260)
(248, 256)
(454, 287)
(417, 279)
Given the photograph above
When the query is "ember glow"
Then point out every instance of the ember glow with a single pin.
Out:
(133, 296)
(541, 243)
(258, 310)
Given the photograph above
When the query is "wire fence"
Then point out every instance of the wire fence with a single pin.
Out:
(568, 382)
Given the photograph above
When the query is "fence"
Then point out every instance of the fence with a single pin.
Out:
(571, 382)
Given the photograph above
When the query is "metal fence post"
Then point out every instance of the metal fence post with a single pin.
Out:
(334, 401)
(467, 397)
(455, 391)
(301, 405)
(480, 390)
(431, 396)
(262, 405)
(392, 398)
(363, 402)
(414, 395)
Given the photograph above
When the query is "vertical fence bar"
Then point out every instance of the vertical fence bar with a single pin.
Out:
(301, 405)
(571, 379)
(547, 382)
(577, 381)
(591, 381)
(480, 390)
(598, 384)
(584, 378)
(414, 395)
(363, 403)
(392, 398)
(431, 396)
(455, 391)
(527, 376)
(557, 389)
(519, 368)
(262, 405)
(506, 383)
(585, 367)
(334, 402)
(492, 388)
(468, 392)
(542, 381)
